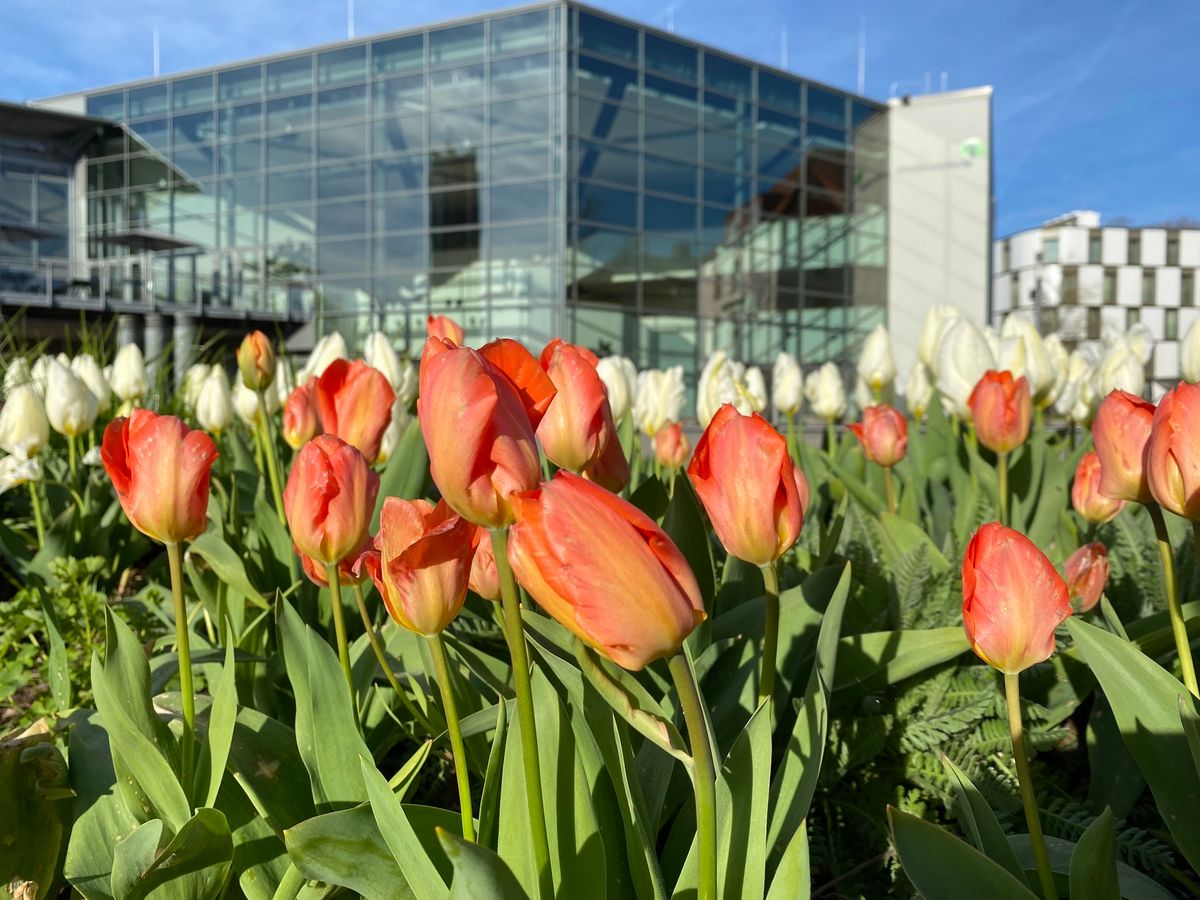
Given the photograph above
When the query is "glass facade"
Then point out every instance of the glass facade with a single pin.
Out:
(531, 173)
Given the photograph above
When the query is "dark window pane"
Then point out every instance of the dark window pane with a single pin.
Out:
(289, 149)
(448, 209)
(604, 79)
(726, 188)
(521, 75)
(778, 199)
(860, 112)
(456, 128)
(523, 159)
(731, 151)
(401, 251)
(403, 135)
(192, 93)
(670, 57)
(289, 187)
(194, 129)
(342, 104)
(779, 164)
(818, 203)
(607, 37)
(776, 90)
(726, 75)
(452, 249)
(670, 216)
(451, 45)
(607, 164)
(603, 265)
(826, 105)
(289, 113)
(824, 137)
(107, 106)
(150, 100)
(669, 98)
(240, 84)
(152, 133)
(670, 177)
(405, 94)
(670, 138)
(524, 31)
(288, 76)
(342, 257)
(400, 213)
(148, 171)
(607, 205)
(512, 118)
(520, 201)
(607, 122)
(348, 180)
(241, 121)
(778, 128)
(400, 174)
(343, 65)
(345, 142)
(241, 156)
(343, 218)
(456, 87)
(194, 162)
(103, 176)
(402, 54)
(449, 167)
(827, 174)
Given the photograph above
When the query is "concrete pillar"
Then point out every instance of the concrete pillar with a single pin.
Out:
(129, 330)
(153, 343)
(185, 345)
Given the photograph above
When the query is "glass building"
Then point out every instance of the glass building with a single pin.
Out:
(550, 170)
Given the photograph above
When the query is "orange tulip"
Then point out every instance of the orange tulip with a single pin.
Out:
(160, 470)
(485, 578)
(476, 428)
(578, 426)
(421, 563)
(749, 486)
(671, 447)
(1086, 497)
(548, 352)
(1173, 455)
(355, 403)
(526, 373)
(1086, 572)
(1013, 599)
(444, 327)
(329, 499)
(256, 361)
(1120, 432)
(883, 434)
(604, 570)
(349, 570)
(1001, 407)
(611, 470)
(300, 421)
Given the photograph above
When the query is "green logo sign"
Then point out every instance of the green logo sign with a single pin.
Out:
(972, 148)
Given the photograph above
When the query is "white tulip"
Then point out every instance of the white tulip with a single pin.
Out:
(394, 431)
(755, 387)
(245, 403)
(85, 366)
(214, 404)
(283, 383)
(1010, 356)
(875, 364)
(826, 393)
(992, 336)
(1189, 355)
(1078, 372)
(716, 387)
(193, 381)
(92, 457)
(1121, 369)
(787, 385)
(1140, 340)
(620, 381)
(658, 399)
(963, 357)
(24, 428)
(1059, 363)
(406, 391)
(1038, 368)
(918, 390)
(71, 407)
(331, 347)
(41, 366)
(378, 353)
(16, 374)
(14, 471)
(937, 320)
(128, 379)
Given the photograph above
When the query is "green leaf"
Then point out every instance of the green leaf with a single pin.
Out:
(222, 714)
(882, 658)
(1094, 862)
(404, 474)
(345, 849)
(195, 865)
(33, 815)
(489, 803)
(792, 879)
(651, 497)
(942, 867)
(133, 856)
(831, 626)
(227, 565)
(1134, 885)
(479, 874)
(268, 767)
(401, 839)
(743, 799)
(1190, 720)
(685, 524)
(980, 823)
(1145, 701)
(796, 780)
(57, 664)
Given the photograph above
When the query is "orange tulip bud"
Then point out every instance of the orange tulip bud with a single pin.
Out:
(604, 570)
(355, 403)
(1086, 497)
(256, 361)
(1013, 599)
(300, 420)
(421, 563)
(349, 570)
(749, 486)
(160, 470)
(1086, 574)
(1120, 432)
(548, 352)
(671, 447)
(611, 470)
(1001, 407)
(526, 373)
(485, 577)
(578, 426)
(883, 434)
(476, 428)
(444, 327)
(1173, 454)
(329, 499)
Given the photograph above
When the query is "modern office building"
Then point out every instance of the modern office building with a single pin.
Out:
(1077, 277)
(548, 170)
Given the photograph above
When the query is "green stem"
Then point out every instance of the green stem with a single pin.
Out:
(182, 639)
(514, 633)
(830, 436)
(1012, 693)
(766, 681)
(1002, 487)
(381, 657)
(793, 448)
(704, 777)
(268, 445)
(72, 465)
(889, 489)
(38, 522)
(339, 626)
(442, 669)
(1178, 625)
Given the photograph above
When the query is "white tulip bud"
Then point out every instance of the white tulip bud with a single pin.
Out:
(331, 347)
(71, 407)
(214, 405)
(937, 320)
(378, 353)
(826, 393)
(787, 385)
(658, 399)
(876, 367)
(128, 379)
(918, 391)
(620, 381)
(88, 370)
(15, 471)
(24, 428)
(963, 357)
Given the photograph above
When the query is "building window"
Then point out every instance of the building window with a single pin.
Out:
(1135, 248)
(1015, 293)
(1070, 286)
(1094, 247)
(1147, 287)
(1187, 288)
(1172, 248)
(1110, 286)
(1050, 250)
(1132, 317)
(1093, 323)
(1171, 325)
(1006, 256)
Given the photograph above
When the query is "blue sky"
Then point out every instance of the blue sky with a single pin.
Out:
(1097, 104)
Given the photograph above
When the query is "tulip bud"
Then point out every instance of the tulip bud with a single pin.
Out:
(548, 353)
(883, 434)
(329, 499)
(332, 346)
(41, 366)
(826, 393)
(659, 399)
(71, 407)
(1121, 369)
(160, 470)
(746, 479)
(193, 381)
(300, 420)
(718, 385)
(214, 404)
(17, 374)
(128, 380)
(671, 447)
(1059, 359)
(477, 431)
(1013, 599)
(937, 320)
(15, 471)
(875, 365)
(525, 373)
(24, 428)
(351, 570)
(88, 371)
(1189, 355)
(963, 356)
(1036, 366)
(485, 577)
(444, 327)
(1172, 457)
(421, 563)
(379, 354)
(578, 425)
(1089, 502)
(1086, 573)
(918, 391)
(1120, 432)
(1001, 408)
(256, 361)
(604, 570)
(620, 378)
(355, 403)
(787, 385)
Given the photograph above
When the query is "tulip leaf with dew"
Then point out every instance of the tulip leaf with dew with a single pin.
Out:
(268, 767)
(1145, 701)
(58, 667)
(345, 849)
(195, 863)
(1094, 862)
(214, 748)
(479, 874)
(419, 871)
(326, 726)
(943, 867)
(979, 823)
(406, 470)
